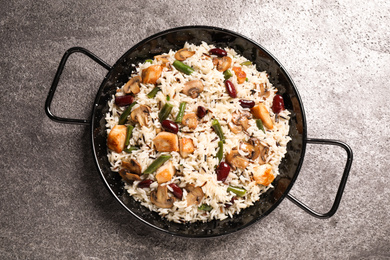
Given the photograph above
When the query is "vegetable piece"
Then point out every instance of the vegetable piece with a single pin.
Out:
(259, 124)
(183, 54)
(190, 120)
(128, 134)
(163, 59)
(151, 74)
(278, 104)
(261, 112)
(165, 172)
(193, 88)
(160, 197)
(170, 126)
(132, 148)
(126, 113)
(157, 163)
(133, 166)
(246, 63)
(231, 90)
(205, 207)
(241, 119)
(240, 74)
(253, 147)
(153, 93)
(182, 108)
(234, 128)
(123, 100)
(227, 74)
(217, 51)
(141, 115)
(180, 66)
(186, 147)
(263, 174)
(116, 138)
(235, 160)
(220, 151)
(247, 103)
(222, 63)
(168, 98)
(223, 171)
(176, 190)
(166, 142)
(132, 86)
(128, 177)
(195, 194)
(218, 129)
(145, 183)
(149, 60)
(201, 112)
(165, 111)
(236, 190)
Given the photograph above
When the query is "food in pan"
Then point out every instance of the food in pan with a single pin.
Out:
(197, 134)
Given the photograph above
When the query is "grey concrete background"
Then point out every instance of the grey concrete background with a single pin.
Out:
(53, 204)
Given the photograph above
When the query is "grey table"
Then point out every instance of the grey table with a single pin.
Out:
(53, 204)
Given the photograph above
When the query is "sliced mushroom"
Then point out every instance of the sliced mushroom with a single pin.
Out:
(263, 154)
(151, 74)
(128, 177)
(241, 118)
(235, 160)
(133, 166)
(141, 115)
(190, 120)
(234, 128)
(222, 63)
(193, 88)
(186, 146)
(116, 138)
(253, 147)
(263, 174)
(166, 142)
(195, 195)
(160, 197)
(183, 54)
(165, 172)
(261, 112)
(132, 86)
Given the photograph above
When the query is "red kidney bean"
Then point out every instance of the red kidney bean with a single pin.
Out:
(170, 126)
(176, 190)
(278, 104)
(145, 183)
(223, 171)
(227, 205)
(217, 51)
(123, 100)
(230, 88)
(247, 103)
(201, 112)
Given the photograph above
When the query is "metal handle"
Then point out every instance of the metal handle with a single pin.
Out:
(343, 181)
(57, 79)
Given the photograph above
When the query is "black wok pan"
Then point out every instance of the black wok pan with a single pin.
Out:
(174, 39)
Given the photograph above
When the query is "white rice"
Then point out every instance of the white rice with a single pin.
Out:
(199, 168)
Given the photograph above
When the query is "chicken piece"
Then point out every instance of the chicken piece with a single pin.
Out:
(151, 74)
(263, 174)
(240, 74)
(165, 172)
(166, 142)
(116, 138)
(186, 146)
(261, 112)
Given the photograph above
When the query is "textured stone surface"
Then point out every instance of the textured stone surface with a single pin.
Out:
(52, 201)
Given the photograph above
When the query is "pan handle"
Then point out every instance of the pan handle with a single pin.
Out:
(340, 190)
(57, 78)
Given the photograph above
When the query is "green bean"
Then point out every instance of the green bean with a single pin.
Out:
(246, 63)
(149, 60)
(168, 98)
(227, 74)
(153, 93)
(239, 191)
(205, 207)
(180, 66)
(132, 148)
(182, 108)
(218, 130)
(165, 111)
(220, 151)
(259, 124)
(123, 117)
(128, 134)
(157, 163)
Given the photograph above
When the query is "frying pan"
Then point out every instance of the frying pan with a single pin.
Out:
(174, 39)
